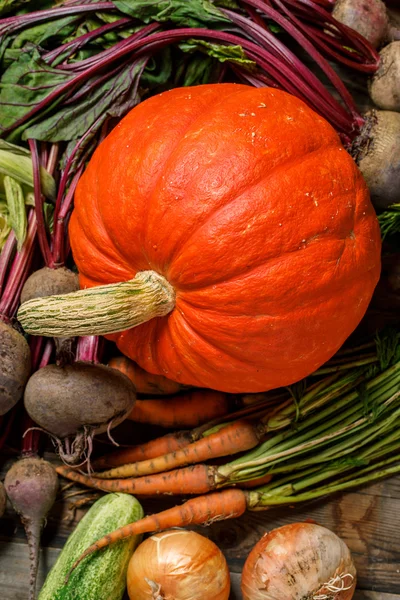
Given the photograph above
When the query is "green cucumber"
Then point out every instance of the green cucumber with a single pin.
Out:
(102, 576)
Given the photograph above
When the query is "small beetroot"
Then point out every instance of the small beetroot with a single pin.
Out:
(3, 499)
(49, 282)
(367, 17)
(15, 366)
(31, 485)
(377, 154)
(384, 87)
(75, 402)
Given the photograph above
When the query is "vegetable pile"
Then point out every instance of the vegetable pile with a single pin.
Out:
(200, 170)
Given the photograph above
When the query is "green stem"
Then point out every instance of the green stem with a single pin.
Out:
(99, 310)
(265, 501)
(382, 391)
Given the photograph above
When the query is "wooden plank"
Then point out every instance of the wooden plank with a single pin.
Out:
(14, 561)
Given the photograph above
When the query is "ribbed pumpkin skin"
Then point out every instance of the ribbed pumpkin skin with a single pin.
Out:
(245, 200)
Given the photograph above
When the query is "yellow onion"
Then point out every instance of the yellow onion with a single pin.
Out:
(301, 560)
(178, 565)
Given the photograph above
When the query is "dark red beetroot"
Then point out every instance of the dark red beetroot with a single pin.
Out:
(3, 499)
(75, 402)
(49, 282)
(384, 86)
(15, 366)
(369, 18)
(31, 485)
(377, 153)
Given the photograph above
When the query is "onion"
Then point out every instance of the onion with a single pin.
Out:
(301, 560)
(178, 565)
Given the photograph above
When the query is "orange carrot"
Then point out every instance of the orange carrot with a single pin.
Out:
(185, 410)
(252, 483)
(238, 436)
(203, 510)
(197, 479)
(145, 383)
(153, 448)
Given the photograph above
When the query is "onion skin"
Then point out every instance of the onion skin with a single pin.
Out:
(297, 561)
(178, 565)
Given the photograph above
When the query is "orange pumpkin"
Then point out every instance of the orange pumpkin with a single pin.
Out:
(246, 202)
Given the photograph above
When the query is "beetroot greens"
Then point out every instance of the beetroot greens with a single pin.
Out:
(89, 84)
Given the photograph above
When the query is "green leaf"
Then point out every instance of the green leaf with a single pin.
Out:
(19, 167)
(389, 221)
(234, 54)
(184, 13)
(111, 98)
(200, 70)
(5, 227)
(14, 149)
(16, 208)
(158, 70)
(55, 31)
(24, 84)
(7, 6)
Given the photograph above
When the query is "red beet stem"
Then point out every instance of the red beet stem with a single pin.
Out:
(6, 256)
(12, 24)
(353, 49)
(19, 271)
(41, 226)
(77, 43)
(59, 250)
(89, 349)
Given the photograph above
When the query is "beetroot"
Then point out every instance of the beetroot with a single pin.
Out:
(49, 282)
(384, 87)
(377, 153)
(31, 485)
(3, 499)
(368, 17)
(75, 402)
(15, 366)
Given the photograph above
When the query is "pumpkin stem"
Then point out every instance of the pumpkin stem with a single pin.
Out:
(99, 310)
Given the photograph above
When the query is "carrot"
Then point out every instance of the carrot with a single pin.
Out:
(203, 510)
(163, 445)
(252, 483)
(145, 383)
(238, 436)
(197, 479)
(185, 410)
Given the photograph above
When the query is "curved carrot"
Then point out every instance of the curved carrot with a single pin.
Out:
(158, 447)
(145, 383)
(185, 410)
(238, 436)
(203, 510)
(252, 483)
(197, 479)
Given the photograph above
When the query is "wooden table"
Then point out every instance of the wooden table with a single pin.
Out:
(367, 520)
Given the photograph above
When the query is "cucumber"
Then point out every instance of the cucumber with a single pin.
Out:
(102, 576)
